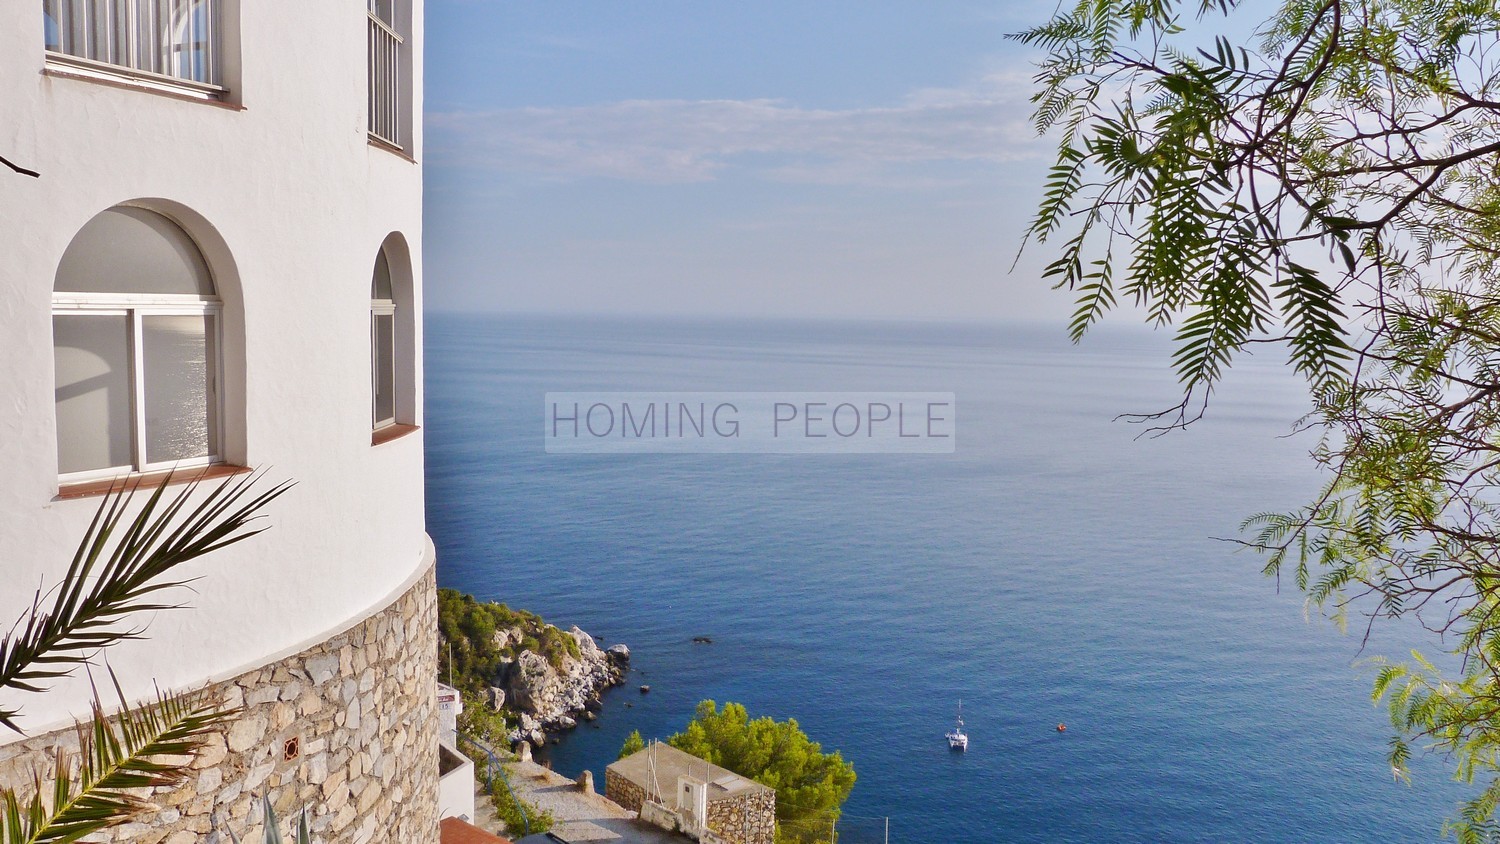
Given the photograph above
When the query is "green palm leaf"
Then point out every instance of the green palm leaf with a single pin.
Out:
(122, 566)
(115, 759)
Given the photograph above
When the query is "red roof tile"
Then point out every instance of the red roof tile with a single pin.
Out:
(455, 831)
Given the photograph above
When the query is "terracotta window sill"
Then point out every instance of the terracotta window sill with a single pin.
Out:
(148, 480)
(391, 432)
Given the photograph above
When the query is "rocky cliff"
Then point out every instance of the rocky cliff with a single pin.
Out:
(549, 697)
(512, 662)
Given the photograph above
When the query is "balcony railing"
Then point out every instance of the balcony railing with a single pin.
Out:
(385, 81)
(172, 39)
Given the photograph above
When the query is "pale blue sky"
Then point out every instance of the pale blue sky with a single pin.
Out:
(782, 157)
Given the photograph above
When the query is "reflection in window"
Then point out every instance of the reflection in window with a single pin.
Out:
(179, 416)
(385, 10)
(172, 38)
(92, 361)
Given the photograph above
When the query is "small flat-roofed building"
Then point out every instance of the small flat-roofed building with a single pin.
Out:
(702, 794)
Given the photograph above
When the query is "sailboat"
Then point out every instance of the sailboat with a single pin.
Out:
(957, 740)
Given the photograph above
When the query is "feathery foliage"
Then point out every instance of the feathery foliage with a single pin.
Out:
(633, 744)
(139, 748)
(122, 566)
(1333, 189)
(469, 626)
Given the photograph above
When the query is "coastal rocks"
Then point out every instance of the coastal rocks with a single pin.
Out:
(532, 684)
(550, 695)
(542, 678)
(529, 731)
(505, 637)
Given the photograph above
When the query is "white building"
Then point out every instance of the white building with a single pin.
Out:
(219, 266)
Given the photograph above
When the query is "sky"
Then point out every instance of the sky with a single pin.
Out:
(782, 158)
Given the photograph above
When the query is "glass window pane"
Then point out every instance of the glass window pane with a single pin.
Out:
(177, 369)
(51, 32)
(92, 367)
(384, 364)
(190, 39)
(132, 250)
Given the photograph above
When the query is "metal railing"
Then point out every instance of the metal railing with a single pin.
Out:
(385, 81)
(174, 39)
(492, 768)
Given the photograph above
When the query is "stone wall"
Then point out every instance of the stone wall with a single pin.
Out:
(748, 818)
(346, 729)
(623, 792)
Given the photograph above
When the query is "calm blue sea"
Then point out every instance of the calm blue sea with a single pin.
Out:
(1056, 568)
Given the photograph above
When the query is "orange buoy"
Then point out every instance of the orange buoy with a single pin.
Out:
(1062, 728)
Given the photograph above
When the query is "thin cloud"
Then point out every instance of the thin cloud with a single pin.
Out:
(909, 143)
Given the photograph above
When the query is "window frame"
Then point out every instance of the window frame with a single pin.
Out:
(379, 309)
(127, 40)
(135, 308)
(386, 58)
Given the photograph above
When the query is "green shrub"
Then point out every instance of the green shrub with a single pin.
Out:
(811, 785)
(509, 808)
(468, 626)
(483, 723)
(633, 744)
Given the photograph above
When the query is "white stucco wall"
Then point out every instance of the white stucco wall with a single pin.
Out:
(456, 788)
(290, 203)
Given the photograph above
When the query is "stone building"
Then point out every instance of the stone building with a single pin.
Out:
(701, 796)
(219, 268)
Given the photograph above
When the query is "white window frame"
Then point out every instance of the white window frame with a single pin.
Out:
(135, 35)
(136, 307)
(386, 74)
(383, 308)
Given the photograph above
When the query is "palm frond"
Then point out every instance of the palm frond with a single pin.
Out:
(122, 566)
(115, 759)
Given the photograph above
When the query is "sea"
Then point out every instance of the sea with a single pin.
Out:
(1062, 565)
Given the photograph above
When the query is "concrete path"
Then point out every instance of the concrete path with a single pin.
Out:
(484, 812)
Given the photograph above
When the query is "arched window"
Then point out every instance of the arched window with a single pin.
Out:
(383, 343)
(136, 336)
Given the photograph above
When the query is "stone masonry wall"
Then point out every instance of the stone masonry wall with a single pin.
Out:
(746, 819)
(346, 729)
(623, 792)
(749, 818)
